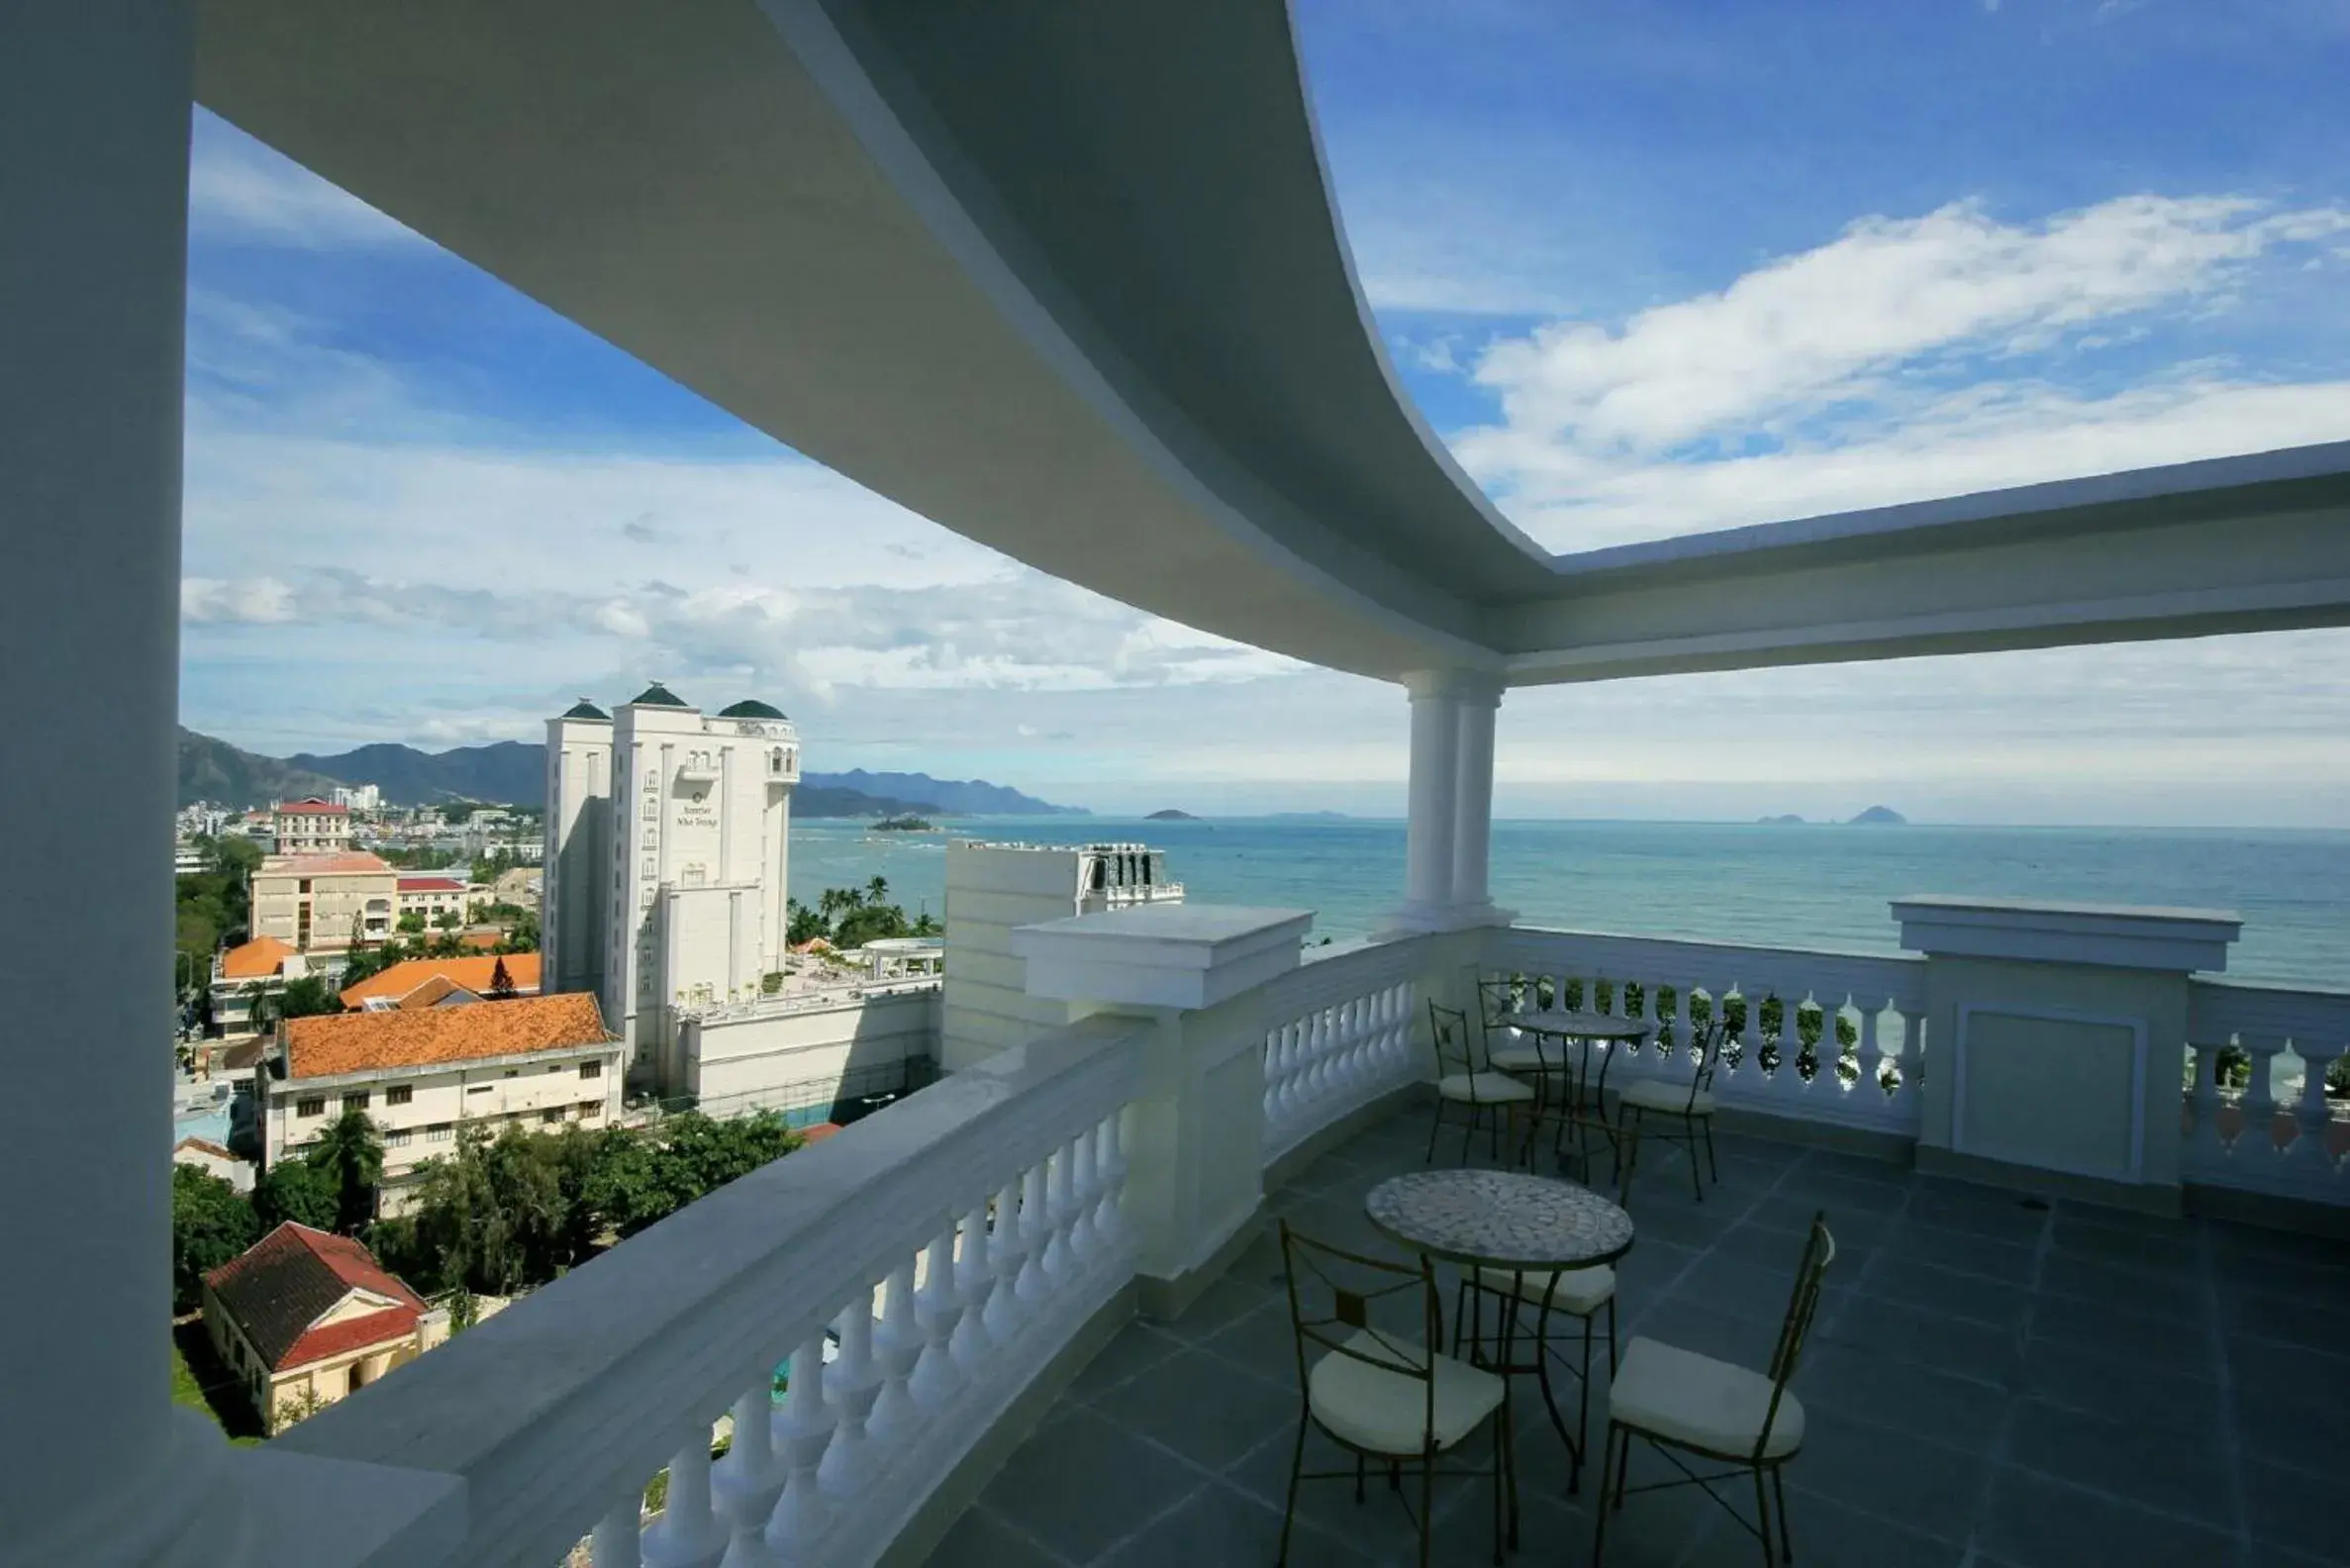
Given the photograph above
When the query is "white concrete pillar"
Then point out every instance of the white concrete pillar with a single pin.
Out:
(1472, 801)
(1435, 781)
(98, 1467)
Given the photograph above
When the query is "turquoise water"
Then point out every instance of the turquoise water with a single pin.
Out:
(1794, 886)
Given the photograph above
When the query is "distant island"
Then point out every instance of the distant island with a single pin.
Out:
(906, 824)
(1790, 820)
(1881, 816)
(1170, 813)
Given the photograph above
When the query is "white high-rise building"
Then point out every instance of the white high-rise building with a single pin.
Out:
(680, 823)
(992, 889)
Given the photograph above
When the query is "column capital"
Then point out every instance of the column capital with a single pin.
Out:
(1461, 685)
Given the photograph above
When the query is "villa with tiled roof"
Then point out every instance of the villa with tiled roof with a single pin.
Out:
(302, 1318)
(421, 1073)
(401, 983)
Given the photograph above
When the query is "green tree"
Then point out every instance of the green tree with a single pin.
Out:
(211, 1223)
(522, 935)
(806, 923)
(446, 920)
(308, 996)
(299, 1191)
(413, 923)
(350, 1155)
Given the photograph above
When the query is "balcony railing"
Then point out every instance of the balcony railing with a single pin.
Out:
(953, 1247)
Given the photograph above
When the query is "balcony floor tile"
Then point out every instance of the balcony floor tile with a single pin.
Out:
(1991, 1381)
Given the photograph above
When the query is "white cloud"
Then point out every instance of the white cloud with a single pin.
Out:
(1906, 358)
(242, 191)
(256, 601)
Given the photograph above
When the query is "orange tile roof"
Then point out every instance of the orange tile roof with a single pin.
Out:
(431, 991)
(473, 974)
(346, 1042)
(255, 960)
(489, 939)
(323, 865)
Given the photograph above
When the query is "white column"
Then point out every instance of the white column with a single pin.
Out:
(1472, 803)
(1435, 780)
(94, 107)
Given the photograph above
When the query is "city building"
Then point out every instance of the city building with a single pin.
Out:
(667, 856)
(243, 974)
(310, 826)
(188, 860)
(431, 895)
(305, 1318)
(519, 886)
(421, 1073)
(214, 1160)
(994, 888)
(407, 984)
(323, 902)
(367, 798)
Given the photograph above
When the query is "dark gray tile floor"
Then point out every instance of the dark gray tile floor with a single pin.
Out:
(1992, 1382)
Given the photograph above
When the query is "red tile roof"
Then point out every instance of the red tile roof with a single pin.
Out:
(277, 1289)
(205, 1146)
(313, 807)
(473, 974)
(363, 1041)
(257, 959)
(430, 882)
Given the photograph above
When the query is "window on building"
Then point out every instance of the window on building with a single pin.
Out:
(439, 1132)
(652, 808)
(589, 1109)
(397, 1140)
(399, 1094)
(591, 1069)
(474, 1089)
(310, 1106)
(514, 1072)
(556, 1115)
(354, 1100)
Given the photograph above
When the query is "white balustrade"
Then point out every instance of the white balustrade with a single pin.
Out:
(2256, 1139)
(1860, 987)
(1341, 1038)
(942, 1211)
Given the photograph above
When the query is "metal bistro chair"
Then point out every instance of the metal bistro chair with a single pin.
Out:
(1580, 1294)
(1681, 1402)
(1687, 1105)
(1387, 1396)
(1465, 1078)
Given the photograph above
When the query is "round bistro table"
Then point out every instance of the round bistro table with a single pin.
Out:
(1513, 1223)
(1583, 1104)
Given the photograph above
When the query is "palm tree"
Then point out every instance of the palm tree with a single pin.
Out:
(877, 890)
(350, 1151)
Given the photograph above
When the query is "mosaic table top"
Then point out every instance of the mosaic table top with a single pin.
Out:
(1500, 1219)
(1578, 1026)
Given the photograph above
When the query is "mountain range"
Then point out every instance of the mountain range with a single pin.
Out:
(514, 772)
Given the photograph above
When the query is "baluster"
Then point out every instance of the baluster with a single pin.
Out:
(897, 1346)
(803, 1431)
(1315, 1079)
(616, 1543)
(1060, 1208)
(937, 1313)
(749, 1480)
(1913, 1060)
(1109, 1222)
(1036, 1235)
(1870, 1055)
(1005, 1313)
(688, 1534)
(974, 1286)
(1084, 1192)
(2310, 1151)
(851, 1384)
(2258, 1140)
(1276, 1070)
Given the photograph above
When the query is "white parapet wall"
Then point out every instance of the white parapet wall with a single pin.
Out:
(805, 1052)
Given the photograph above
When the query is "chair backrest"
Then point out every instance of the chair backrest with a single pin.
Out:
(1820, 1250)
(1448, 1031)
(1706, 1039)
(1498, 997)
(1348, 1283)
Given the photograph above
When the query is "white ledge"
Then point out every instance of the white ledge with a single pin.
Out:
(2113, 936)
(1161, 955)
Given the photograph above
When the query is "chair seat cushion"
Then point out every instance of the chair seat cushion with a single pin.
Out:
(1656, 1094)
(1580, 1291)
(1687, 1398)
(1485, 1088)
(1525, 1058)
(1386, 1412)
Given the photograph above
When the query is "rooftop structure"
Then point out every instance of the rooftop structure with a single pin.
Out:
(323, 902)
(1014, 270)
(329, 1045)
(398, 984)
(310, 826)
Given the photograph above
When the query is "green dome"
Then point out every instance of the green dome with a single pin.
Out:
(750, 708)
(583, 709)
(656, 696)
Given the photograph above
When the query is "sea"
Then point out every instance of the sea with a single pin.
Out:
(1763, 883)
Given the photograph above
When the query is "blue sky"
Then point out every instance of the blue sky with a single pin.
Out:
(1646, 269)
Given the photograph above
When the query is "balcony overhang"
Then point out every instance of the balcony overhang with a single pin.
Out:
(1018, 273)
